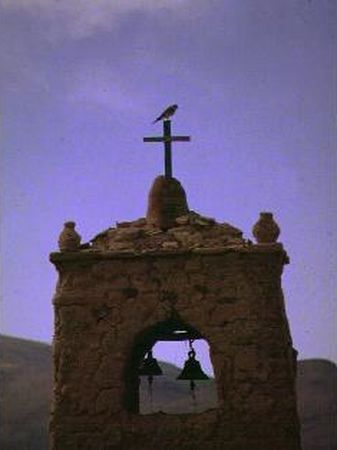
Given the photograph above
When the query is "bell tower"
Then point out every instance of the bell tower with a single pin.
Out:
(172, 275)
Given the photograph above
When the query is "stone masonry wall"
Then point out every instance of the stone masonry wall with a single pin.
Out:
(106, 300)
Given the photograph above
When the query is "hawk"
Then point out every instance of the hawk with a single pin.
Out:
(167, 113)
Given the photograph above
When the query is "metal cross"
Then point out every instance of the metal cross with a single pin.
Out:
(167, 139)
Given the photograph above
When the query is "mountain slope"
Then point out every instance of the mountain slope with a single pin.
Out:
(26, 381)
(317, 403)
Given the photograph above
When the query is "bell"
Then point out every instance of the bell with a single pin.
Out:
(150, 367)
(192, 369)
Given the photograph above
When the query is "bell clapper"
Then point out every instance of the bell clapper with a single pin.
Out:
(194, 398)
(150, 390)
(149, 367)
(191, 355)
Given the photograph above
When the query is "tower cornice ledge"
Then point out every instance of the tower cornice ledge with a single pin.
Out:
(88, 256)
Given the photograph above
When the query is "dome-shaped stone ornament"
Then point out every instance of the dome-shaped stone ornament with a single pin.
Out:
(69, 239)
(266, 230)
(167, 201)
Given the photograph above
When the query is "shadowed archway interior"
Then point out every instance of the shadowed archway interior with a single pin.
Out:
(173, 330)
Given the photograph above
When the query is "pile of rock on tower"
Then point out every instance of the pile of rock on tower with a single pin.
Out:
(172, 270)
(170, 226)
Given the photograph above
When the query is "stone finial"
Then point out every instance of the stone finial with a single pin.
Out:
(266, 230)
(167, 201)
(69, 240)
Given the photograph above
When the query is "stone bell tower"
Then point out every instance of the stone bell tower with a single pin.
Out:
(140, 282)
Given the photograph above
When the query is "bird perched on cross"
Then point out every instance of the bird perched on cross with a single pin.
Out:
(167, 113)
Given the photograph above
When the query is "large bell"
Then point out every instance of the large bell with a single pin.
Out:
(149, 366)
(192, 369)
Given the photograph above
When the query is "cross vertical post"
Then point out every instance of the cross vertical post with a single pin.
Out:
(167, 139)
(168, 151)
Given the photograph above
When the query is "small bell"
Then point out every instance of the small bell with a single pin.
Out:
(150, 368)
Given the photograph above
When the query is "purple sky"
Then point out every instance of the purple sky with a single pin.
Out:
(255, 81)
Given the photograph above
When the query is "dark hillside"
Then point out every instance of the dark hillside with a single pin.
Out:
(317, 403)
(26, 380)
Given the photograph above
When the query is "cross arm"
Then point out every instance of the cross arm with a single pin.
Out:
(181, 138)
(167, 139)
(153, 139)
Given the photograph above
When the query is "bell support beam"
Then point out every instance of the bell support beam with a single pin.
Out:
(185, 336)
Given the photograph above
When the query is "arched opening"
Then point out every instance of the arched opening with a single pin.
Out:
(170, 342)
(173, 396)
